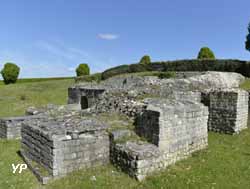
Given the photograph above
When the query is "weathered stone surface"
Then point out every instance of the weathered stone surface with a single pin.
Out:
(175, 129)
(77, 95)
(121, 94)
(62, 146)
(171, 125)
(168, 113)
(10, 128)
(118, 134)
(228, 110)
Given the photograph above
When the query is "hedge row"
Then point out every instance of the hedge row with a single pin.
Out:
(229, 65)
(89, 78)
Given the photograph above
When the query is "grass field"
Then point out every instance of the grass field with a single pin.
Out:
(225, 164)
(29, 80)
(15, 98)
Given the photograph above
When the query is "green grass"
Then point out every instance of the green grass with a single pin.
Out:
(15, 98)
(225, 164)
(246, 84)
(29, 80)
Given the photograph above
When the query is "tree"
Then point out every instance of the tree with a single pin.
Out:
(145, 60)
(82, 69)
(206, 53)
(10, 73)
(247, 43)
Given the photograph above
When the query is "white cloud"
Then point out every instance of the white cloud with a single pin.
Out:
(107, 36)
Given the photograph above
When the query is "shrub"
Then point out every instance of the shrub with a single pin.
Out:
(139, 68)
(238, 66)
(166, 75)
(115, 71)
(206, 53)
(97, 77)
(23, 97)
(247, 43)
(10, 73)
(145, 60)
(82, 69)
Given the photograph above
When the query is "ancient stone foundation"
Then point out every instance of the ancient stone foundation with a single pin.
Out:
(61, 149)
(10, 128)
(84, 97)
(228, 110)
(175, 129)
(168, 115)
(171, 125)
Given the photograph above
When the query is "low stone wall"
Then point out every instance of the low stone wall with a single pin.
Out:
(61, 150)
(120, 103)
(187, 96)
(76, 95)
(174, 129)
(140, 160)
(163, 120)
(10, 128)
(228, 110)
(187, 74)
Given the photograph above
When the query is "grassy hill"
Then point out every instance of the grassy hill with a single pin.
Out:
(15, 98)
(224, 164)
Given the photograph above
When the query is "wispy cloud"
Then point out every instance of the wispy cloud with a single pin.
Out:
(62, 51)
(53, 59)
(108, 36)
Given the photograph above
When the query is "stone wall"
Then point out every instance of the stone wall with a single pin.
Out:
(187, 74)
(10, 128)
(61, 150)
(120, 103)
(228, 110)
(174, 131)
(140, 160)
(76, 96)
(171, 125)
(182, 95)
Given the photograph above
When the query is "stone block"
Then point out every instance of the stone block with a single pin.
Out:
(228, 110)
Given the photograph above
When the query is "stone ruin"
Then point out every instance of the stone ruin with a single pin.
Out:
(171, 120)
(228, 111)
(10, 127)
(64, 144)
(173, 130)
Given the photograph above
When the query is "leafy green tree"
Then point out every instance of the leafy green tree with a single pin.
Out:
(82, 69)
(145, 60)
(247, 43)
(10, 73)
(206, 53)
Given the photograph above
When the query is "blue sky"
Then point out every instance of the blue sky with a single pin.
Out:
(51, 37)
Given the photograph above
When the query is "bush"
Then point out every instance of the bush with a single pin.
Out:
(97, 77)
(23, 97)
(201, 65)
(115, 71)
(133, 68)
(10, 73)
(166, 75)
(82, 69)
(145, 60)
(206, 53)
